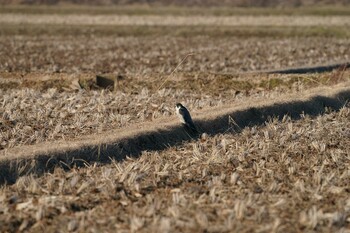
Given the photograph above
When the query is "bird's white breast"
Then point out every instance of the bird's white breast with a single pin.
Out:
(181, 117)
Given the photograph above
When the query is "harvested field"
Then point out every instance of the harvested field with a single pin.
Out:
(147, 55)
(282, 176)
(31, 116)
(165, 132)
(75, 157)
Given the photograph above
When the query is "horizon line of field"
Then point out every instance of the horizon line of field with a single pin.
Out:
(44, 157)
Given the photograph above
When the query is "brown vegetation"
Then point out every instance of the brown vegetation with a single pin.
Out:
(282, 176)
(54, 109)
(275, 157)
(148, 55)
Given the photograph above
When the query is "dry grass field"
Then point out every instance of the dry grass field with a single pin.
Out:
(139, 55)
(42, 111)
(288, 174)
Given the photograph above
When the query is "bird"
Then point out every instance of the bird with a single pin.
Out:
(185, 118)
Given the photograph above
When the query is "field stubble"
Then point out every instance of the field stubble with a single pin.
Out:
(284, 176)
(33, 115)
(41, 114)
(148, 55)
(37, 70)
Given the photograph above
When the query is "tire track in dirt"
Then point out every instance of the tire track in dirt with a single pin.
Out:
(159, 135)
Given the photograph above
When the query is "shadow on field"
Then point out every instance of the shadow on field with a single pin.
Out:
(259, 115)
(161, 139)
(312, 69)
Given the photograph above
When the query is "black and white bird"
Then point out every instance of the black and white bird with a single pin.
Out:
(186, 118)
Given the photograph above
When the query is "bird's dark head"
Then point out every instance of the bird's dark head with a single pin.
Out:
(179, 105)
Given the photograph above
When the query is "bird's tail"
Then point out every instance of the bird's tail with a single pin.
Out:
(191, 129)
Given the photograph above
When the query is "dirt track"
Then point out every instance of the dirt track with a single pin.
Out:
(165, 132)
